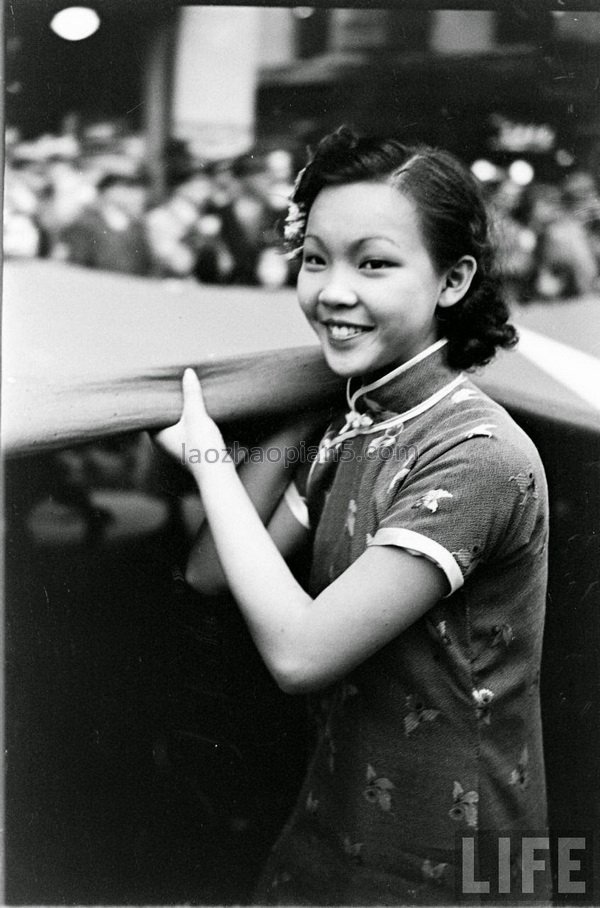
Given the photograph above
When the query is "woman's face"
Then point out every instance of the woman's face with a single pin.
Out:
(367, 284)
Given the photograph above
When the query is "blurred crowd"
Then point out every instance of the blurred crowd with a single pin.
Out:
(216, 222)
(220, 222)
(548, 235)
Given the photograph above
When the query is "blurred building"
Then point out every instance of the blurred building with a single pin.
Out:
(514, 81)
(49, 79)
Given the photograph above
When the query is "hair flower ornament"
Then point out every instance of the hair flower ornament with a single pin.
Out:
(294, 227)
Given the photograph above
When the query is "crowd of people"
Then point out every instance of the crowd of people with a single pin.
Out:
(549, 236)
(220, 222)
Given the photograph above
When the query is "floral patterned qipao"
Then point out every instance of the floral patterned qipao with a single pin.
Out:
(439, 732)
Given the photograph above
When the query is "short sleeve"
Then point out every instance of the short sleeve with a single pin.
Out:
(478, 499)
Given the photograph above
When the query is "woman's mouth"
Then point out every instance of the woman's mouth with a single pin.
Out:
(344, 332)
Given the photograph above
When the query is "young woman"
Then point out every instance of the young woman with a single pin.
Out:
(423, 621)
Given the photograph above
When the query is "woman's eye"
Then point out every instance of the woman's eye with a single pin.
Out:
(311, 258)
(376, 264)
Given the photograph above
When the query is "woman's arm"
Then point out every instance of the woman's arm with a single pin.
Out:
(265, 479)
(204, 572)
(305, 643)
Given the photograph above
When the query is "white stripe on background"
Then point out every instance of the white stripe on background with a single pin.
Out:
(576, 370)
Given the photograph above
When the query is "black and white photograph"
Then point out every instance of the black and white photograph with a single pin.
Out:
(300, 453)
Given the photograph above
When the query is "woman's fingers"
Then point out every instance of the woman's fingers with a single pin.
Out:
(190, 380)
(195, 430)
(193, 398)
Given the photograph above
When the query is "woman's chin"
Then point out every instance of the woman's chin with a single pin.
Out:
(349, 364)
(343, 365)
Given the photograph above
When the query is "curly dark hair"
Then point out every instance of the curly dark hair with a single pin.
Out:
(454, 222)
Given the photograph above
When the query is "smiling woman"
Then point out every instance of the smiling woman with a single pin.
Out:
(426, 509)
(369, 288)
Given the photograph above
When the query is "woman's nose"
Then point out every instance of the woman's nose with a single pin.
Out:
(337, 292)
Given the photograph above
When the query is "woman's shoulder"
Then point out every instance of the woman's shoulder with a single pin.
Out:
(470, 414)
(473, 442)
(468, 479)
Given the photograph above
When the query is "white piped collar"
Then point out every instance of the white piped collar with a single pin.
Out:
(395, 398)
(394, 373)
(398, 396)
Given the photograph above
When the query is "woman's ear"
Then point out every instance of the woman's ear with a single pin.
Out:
(458, 280)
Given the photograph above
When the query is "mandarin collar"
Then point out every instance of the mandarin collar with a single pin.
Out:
(387, 403)
(405, 387)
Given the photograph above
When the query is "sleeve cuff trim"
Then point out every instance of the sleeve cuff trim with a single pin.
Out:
(417, 544)
(297, 505)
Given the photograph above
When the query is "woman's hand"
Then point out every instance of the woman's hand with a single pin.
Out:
(195, 433)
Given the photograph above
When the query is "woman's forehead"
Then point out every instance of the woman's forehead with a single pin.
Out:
(362, 209)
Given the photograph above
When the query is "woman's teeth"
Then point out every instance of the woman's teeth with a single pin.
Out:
(344, 332)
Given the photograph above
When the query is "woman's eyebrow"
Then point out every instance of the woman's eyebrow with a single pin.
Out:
(376, 236)
(358, 245)
(355, 245)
